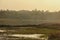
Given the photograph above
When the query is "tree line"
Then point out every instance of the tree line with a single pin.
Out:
(34, 14)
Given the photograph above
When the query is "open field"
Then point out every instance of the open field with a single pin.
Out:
(31, 30)
(16, 21)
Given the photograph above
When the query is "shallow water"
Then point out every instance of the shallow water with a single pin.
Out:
(5, 36)
(34, 36)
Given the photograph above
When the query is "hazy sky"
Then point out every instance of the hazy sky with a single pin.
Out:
(52, 5)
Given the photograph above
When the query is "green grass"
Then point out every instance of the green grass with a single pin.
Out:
(33, 30)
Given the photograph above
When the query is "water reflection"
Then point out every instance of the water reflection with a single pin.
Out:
(2, 30)
(32, 36)
(5, 36)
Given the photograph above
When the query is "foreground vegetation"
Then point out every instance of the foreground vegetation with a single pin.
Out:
(53, 34)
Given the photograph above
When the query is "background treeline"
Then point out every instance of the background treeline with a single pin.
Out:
(30, 15)
(26, 17)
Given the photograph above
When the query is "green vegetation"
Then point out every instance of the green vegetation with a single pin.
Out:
(34, 30)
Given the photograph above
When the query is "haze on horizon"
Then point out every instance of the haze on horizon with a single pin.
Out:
(51, 5)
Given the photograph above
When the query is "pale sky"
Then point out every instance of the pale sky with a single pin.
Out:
(52, 5)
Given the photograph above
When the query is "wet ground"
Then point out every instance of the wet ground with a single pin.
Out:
(6, 35)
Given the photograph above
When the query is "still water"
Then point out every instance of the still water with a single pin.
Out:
(4, 35)
(31, 36)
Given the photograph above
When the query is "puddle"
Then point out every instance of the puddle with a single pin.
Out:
(35, 36)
